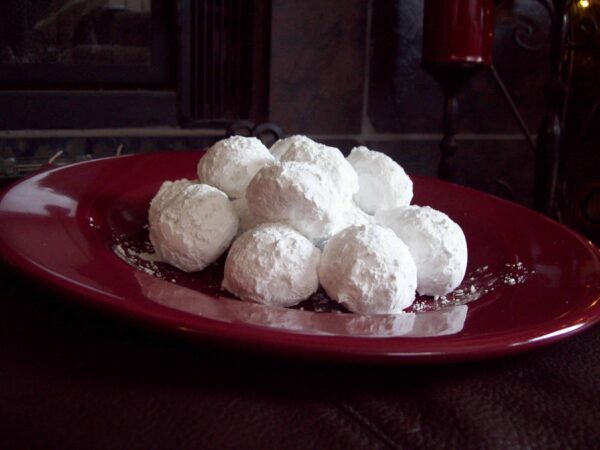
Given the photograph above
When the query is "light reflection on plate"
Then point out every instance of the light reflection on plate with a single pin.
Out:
(442, 322)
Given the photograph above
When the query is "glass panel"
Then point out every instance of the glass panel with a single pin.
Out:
(87, 32)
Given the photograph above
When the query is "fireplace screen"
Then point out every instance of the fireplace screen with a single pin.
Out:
(139, 62)
(83, 41)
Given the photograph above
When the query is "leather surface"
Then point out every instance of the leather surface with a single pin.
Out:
(72, 378)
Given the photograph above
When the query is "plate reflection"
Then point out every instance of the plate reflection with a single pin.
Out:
(442, 322)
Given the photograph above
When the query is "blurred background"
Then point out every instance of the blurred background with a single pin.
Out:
(82, 79)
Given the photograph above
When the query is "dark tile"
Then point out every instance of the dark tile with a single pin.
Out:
(501, 167)
(317, 65)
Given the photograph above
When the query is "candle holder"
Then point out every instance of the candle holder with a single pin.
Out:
(457, 44)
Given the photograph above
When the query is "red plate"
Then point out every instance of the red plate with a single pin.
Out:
(60, 227)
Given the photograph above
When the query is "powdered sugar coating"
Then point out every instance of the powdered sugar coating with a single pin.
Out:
(282, 145)
(191, 224)
(436, 242)
(349, 214)
(272, 264)
(231, 163)
(166, 193)
(300, 194)
(383, 182)
(329, 159)
(247, 221)
(369, 270)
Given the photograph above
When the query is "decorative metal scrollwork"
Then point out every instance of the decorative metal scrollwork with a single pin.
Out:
(526, 33)
(548, 6)
(266, 132)
(589, 205)
(523, 34)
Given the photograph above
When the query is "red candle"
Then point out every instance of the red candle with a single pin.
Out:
(458, 32)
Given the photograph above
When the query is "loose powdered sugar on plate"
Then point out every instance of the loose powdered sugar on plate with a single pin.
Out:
(475, 285)
(138, 258)
(137, 251)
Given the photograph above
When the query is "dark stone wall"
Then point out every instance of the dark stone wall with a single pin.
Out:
(402, 98)
(318, 58)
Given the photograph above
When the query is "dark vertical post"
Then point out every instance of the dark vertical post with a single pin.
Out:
(548, 148)
(447, 166)
(457, 43)
(184, 80)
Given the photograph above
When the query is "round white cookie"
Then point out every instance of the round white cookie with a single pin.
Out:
(300, 194)
(368, 269)
(283, 145)
(231, 163)
(436, 242)
(383, 182)
(272, 264)
(191, 224)
(330, 159)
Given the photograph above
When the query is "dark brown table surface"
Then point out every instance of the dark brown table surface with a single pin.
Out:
(74, 378)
